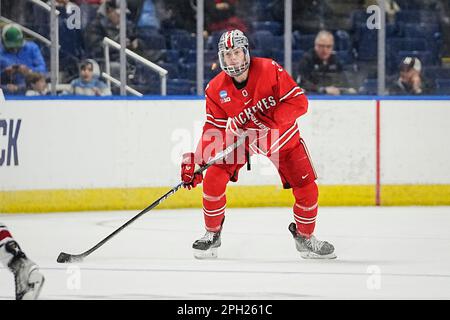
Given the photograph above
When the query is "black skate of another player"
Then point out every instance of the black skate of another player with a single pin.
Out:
(27, 278)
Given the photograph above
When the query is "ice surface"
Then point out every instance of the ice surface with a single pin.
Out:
(383, 253)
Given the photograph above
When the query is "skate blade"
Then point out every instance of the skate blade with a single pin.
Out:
(36, 282)
(312, 255)
(205, 254)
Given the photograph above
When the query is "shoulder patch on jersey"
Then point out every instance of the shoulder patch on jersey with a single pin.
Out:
(223, 94)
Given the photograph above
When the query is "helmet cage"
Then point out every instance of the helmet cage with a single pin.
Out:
(231, 40)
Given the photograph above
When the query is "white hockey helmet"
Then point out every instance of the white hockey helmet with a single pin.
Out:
(231, 40)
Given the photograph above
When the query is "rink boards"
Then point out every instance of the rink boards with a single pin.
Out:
(72, 155)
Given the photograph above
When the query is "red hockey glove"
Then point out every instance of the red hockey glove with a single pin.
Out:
(188, 166)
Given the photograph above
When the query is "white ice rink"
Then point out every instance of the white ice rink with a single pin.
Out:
(383, 253)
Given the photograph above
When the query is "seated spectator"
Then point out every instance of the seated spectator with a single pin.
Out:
(160, 16)
(70, 40)
(309, 16)
(17, 59)
(148, 17)
(37, 84)
(320, 70)
(89, 83)
(221, 15)
(71, 50)
(88, 10)
(148, 20)
(410, 81)
(107, 24)
(175, 14)
(390, 6)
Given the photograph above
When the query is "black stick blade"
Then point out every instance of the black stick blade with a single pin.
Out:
(68, 258)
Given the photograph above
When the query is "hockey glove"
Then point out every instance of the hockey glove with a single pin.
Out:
(188, 167)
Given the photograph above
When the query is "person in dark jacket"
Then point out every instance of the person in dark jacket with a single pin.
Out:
(320, 70)
(410, 80)
(107, 24)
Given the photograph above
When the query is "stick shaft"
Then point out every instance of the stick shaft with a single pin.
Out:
(218, 157)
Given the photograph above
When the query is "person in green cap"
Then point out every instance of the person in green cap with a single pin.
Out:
(18, 58)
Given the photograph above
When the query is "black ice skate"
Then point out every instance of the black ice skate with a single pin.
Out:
(206, 246)
(311, 248)
(28, 279)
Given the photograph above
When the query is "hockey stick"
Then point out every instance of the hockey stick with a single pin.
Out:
(68, 258)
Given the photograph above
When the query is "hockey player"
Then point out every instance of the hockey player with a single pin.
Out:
(256, 97)
(28, 280)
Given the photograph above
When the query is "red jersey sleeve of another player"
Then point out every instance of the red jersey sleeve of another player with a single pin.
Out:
(292, 100)
(213, 134)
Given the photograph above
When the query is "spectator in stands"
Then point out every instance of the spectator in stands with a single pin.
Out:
(310, 16)
(88, 10)
(442, 10)
(70, 40)
(106, 24)
(17, 59)
(89, 83)
(410, 81)
(221, 15)
(390, 6)
(160, 15)
(37, 85)
(178, 15)
(320, 70)
(148, 17)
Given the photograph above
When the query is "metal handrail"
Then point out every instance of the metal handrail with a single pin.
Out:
(29, 32)
(107, 42)
(54, 39)
(43, 5)
(117, 83)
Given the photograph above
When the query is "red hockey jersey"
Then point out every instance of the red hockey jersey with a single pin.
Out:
(270, 93)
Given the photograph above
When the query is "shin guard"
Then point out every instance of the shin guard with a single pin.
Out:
(214, 198)
(305, 208)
